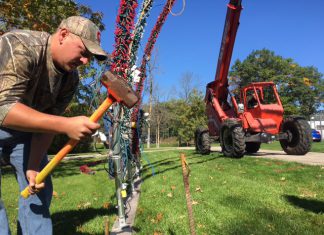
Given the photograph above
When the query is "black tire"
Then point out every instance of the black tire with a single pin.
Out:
(299, 140)
(202, 140)
(252, 147)
(232, 139)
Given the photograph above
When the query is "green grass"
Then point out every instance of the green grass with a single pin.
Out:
(316, 146)
(232, 196)
(81, 202)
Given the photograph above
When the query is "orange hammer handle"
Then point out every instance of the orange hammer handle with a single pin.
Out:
(68, 147)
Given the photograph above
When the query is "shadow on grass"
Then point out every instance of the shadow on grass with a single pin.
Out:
(66, 168)
(71, 222)
(72, 167)
(149, 164)
(167, 162)
(312, 205)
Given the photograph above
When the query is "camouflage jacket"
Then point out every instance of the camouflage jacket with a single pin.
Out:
(28, 75)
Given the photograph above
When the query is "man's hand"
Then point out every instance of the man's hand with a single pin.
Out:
(79, 127)
(33, 188)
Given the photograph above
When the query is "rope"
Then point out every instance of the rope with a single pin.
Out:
(185, 174)
(182, 10)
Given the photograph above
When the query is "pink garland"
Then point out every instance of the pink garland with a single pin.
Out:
(123, 37)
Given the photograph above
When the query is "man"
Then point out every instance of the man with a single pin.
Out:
(38, 78)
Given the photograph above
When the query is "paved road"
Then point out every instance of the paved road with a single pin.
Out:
(310, 158)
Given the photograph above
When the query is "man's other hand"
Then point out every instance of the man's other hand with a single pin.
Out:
(33, 188)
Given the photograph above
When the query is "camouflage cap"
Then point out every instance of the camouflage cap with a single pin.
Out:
(88, 32)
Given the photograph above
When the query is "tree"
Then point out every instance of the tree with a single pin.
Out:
(191, 115)
(46, 15)
(42, 15)
(187, 85)
(151, 67)
(159, 114)
(300, 88)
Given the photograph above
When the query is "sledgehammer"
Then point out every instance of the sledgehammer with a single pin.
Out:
(120, 92)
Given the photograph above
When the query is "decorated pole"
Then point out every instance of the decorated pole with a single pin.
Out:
(146, 57)
(120, 66)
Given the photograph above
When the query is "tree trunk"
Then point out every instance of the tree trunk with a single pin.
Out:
(158, 136)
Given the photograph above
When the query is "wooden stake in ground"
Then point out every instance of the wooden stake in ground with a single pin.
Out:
(185, 173)
(106, 226)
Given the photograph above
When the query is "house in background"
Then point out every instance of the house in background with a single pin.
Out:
(317, 122)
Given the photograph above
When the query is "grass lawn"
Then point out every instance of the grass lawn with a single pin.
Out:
(231, 196)
(81, 203)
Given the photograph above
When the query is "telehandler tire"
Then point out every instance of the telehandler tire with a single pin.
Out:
(252, 147)
(202, 140)
(232, 139)
(299, 133)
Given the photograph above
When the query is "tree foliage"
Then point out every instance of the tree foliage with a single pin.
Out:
(42, 15)
(191, 115)
(46, 15)
(300, 88)
(184, 116)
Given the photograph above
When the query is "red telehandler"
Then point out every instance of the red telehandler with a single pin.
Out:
(243, 121)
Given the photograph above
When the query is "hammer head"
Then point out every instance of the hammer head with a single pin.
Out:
(119, 89)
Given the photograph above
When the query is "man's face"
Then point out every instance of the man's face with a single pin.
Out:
(72, 52)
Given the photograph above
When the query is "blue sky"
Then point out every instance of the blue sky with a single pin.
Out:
(190, 42)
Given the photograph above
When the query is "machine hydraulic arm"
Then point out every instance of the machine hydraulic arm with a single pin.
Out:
(220, 84)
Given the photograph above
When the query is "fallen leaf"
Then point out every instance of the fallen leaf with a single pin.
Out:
(194, 202)
(140, 210)
(173, 187)
(308, 194)
(55, 194)
(163, 190)
(80, 229)
(84, 206)
(159, 217)
(198, 189)
(169, 195)
(282, 178)
(105, 205)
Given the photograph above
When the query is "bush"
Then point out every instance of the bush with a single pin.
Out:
(85, 145)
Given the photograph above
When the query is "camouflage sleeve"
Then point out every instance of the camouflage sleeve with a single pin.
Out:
(16, 69)
(69, 86)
